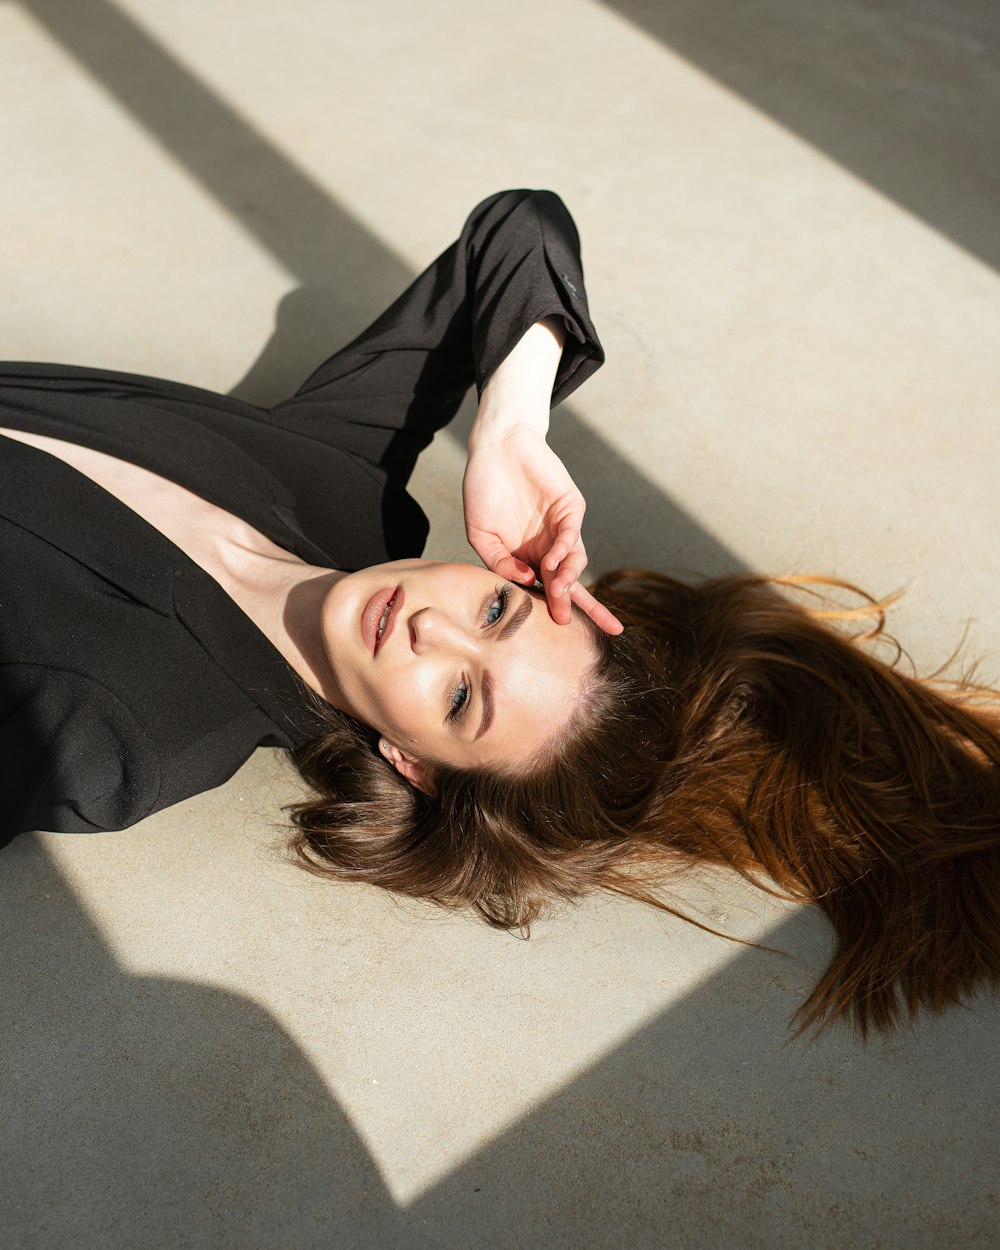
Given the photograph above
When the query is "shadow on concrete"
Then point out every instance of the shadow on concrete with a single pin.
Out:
(709, 1128)
(348, 275)
(144, 1111)
(906, 95)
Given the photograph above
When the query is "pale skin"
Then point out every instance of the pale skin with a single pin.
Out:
(471, 669)
(467, 669)
(523, 512)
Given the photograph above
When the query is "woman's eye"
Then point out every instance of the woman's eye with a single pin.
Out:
(498, 606)
(459, 700)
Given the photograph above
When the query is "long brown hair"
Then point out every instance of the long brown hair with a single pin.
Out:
(730, 725)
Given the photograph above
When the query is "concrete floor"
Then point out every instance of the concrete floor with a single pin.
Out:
(791, 222)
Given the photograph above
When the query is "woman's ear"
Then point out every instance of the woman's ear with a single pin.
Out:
(415, 771)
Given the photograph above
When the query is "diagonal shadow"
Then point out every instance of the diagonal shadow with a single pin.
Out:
(274, 200)
(707, 1128)
(147, 1111)
(906, 95)
(348, 275)
(150, 1111)
(702, 1122)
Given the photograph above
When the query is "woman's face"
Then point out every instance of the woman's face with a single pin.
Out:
(450, 663)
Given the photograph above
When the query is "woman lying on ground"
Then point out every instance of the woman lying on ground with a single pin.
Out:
(174, 595)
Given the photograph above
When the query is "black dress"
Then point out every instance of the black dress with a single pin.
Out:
(129, 679)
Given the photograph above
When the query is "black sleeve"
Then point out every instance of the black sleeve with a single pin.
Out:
(524, 261)
(516, 262)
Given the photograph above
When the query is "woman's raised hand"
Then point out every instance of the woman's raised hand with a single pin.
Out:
(523, 515)
(523, 512)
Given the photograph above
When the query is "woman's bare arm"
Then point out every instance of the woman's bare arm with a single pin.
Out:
(523, 512)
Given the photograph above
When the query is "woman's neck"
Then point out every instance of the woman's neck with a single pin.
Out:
(284, 596)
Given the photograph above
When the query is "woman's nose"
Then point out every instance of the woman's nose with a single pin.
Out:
(431, 629)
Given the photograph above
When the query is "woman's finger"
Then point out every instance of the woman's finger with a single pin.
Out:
(560, 607)
(496, 556)
(597, 612)
(514, 570)
(567, 539)
(557, 598)
(569, 570)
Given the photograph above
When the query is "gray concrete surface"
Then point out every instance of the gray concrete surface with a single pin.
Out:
(791, 226)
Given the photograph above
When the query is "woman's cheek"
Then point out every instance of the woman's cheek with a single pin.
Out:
(410, 708)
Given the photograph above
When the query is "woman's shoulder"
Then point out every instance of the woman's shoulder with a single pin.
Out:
(75, 758)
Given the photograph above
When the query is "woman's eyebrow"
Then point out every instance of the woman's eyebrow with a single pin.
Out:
(486, 694)
(518, 619)
(487, 687)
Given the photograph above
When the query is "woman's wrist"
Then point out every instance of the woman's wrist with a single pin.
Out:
(519, 393)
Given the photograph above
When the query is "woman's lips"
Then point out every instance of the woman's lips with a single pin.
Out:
(372, 614)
